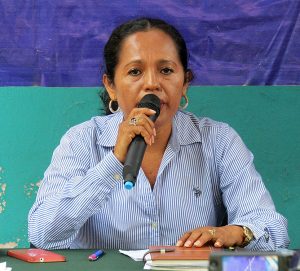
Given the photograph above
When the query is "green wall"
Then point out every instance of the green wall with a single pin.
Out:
(33, 119)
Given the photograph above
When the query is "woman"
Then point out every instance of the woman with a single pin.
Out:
(194, 170)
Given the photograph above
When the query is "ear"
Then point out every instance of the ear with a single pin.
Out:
(188, 77)
(109, 86)
(185, 87)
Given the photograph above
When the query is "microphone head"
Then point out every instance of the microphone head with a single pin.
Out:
(150, 101)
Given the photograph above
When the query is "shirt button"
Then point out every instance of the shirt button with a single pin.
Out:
(117, 176)
(267, 235)
(154, 225)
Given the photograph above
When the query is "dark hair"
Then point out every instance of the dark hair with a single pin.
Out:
(113, 46)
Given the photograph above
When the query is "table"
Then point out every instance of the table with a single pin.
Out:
(77, 259)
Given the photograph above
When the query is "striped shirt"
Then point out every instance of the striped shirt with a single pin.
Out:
(206, 171)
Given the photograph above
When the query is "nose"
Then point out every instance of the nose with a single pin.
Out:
(151, 81)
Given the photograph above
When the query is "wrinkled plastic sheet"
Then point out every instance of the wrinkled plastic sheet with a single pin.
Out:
(237, 42)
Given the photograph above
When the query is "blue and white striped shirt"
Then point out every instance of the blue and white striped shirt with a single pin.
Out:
(205, 172)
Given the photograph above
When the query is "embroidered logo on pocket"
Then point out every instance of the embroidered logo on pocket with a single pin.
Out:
(197, 192)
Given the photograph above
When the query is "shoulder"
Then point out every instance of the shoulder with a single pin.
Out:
(191, 129)
(95, 127)
(95, 123)
(188, 123)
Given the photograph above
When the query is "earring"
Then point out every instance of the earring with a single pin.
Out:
(113, 106)
(186, 102)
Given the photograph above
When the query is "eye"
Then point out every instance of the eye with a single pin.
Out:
(134, 72)
(166, 71)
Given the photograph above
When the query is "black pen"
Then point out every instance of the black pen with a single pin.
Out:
(96, 255)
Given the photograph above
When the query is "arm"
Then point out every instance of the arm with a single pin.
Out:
(246, 199)
(71, 191)
(245, 196)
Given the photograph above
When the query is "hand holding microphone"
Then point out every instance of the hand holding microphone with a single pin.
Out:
(133, 135)
(138, 145)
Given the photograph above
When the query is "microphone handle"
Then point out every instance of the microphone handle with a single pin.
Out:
(133, 161)
(134, 158)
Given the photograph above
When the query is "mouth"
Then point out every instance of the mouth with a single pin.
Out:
(162, 105)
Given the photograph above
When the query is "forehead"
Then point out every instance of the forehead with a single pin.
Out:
(152, 43)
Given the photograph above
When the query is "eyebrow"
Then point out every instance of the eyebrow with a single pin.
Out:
(165, 61)
(160, 62)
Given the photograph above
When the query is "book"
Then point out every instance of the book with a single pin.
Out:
(36, 255)
(193, 258)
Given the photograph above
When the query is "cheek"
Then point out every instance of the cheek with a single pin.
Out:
(173, 104)
(176, 91)
(127, 101)
(177, 84)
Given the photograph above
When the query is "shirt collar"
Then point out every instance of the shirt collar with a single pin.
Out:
(108, 127)
(185, 129)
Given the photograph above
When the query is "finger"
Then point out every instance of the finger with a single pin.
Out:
(148, 137)
(127, 131)
(142, 111)
(150, 112)
(125, 136)
(203, 239)
(219, 242)
(147, 123)
(141, 127)
(143, 120)
(183, 239)
(193, 238)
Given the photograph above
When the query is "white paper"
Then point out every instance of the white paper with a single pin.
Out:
(3, 267)
(136, 255)
(175, 268)
(147, 267)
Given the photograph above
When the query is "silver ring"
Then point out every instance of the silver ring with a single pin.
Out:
(133, 121)
(212, 232)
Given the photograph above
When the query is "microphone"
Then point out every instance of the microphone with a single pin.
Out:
(137, 147)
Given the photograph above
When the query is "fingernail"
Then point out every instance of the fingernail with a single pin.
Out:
(218, 244)
(154, 131)
(187, 243)
(179, 243)
(152, 139)
(197, 244)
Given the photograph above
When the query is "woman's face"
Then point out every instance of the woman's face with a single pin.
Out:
(148, 63)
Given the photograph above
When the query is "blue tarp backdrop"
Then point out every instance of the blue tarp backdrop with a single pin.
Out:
(231, 42)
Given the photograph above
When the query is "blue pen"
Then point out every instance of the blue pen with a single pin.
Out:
(96, 255)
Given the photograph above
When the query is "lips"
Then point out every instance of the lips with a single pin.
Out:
(162, 104)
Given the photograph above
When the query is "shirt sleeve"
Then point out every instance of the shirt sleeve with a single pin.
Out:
(71, 191)
(245, 196)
